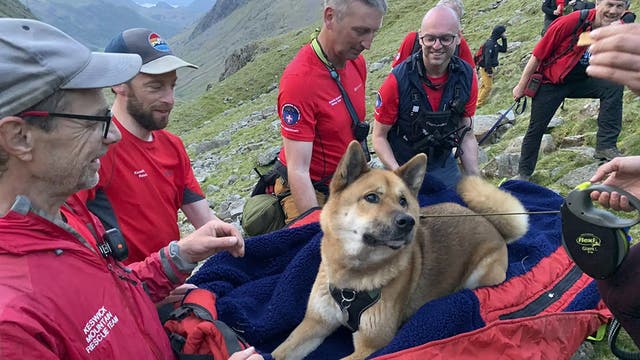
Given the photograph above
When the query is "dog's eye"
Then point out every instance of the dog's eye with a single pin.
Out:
(372, 198)
(403, 201)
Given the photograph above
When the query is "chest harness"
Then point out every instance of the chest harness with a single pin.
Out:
(353, 303)
(419, 128)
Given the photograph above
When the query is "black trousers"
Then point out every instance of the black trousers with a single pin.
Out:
(621, 293)
(549, 98)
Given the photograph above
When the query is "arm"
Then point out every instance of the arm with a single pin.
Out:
(622, 172)
(298, 154)
(198, 213)
(530, 68)
(170, 266)
(503, 47)
(615, 55)
(381, 145)
(469, 146)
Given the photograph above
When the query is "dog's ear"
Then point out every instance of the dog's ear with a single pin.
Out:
(352, 165)
(412, 172)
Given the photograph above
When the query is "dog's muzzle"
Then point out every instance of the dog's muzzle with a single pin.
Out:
(394, 235)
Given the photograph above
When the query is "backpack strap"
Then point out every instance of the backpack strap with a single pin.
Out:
(416, 44)
(580, 26)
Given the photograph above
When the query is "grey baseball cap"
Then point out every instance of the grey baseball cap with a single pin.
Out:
(157, 57)
(37, 59)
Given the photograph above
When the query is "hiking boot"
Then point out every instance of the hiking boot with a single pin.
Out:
(607, 154)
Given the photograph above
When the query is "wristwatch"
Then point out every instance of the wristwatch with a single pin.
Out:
(182, 264)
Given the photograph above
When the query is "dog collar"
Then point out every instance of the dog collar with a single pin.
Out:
(353, 303)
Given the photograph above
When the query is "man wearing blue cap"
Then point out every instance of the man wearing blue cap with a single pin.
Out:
(63, 292)
(147, 177)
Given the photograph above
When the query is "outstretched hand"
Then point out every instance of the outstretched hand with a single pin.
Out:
(246, 354)
(615, 55)
(622, 172)
(211, 238)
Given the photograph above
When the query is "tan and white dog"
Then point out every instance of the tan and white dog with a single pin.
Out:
(383, 256)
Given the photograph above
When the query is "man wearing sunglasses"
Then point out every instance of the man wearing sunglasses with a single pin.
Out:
(426, 103)
(63, 293)
(147, 177)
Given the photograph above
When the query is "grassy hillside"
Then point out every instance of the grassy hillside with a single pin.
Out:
(14, 9)
(245, 92)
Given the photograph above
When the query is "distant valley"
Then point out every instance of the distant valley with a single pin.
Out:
(95, 22)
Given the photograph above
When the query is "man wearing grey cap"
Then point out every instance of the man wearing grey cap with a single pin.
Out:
(63, 292)
(147, 177)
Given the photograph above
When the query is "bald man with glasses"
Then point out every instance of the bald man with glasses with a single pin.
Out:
(425, 104)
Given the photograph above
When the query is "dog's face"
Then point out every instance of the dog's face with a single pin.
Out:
(371, 213)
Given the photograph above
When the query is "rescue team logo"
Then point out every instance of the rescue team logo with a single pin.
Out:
(158, 43)
(98, 328)
(290, 114)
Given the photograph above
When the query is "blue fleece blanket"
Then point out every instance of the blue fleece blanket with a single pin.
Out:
(265, 293)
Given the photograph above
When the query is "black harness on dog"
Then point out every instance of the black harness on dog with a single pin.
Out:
(353, 303)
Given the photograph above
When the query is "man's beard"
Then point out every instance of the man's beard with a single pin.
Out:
(143, 117)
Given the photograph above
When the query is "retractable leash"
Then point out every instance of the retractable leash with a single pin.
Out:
(598, 242)
(517, 111)
(595, 239)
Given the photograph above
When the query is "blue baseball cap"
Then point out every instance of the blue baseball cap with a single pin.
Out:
(157, 57)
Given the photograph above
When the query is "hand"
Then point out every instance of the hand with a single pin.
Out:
(209, 239)
(176, 295)
(622, 172)
(246, 354)
(615, 55)
(518, 92)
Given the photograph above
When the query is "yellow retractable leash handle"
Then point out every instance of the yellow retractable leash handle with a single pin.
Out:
(595, 239)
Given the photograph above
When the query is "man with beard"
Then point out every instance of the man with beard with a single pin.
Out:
(426, 103)
(147, 176)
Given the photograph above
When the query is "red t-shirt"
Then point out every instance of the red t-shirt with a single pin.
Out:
(407, 47)
(145, 183)
(386, 111)
(556, 40)
(311, 108)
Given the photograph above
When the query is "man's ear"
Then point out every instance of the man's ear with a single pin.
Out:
(16, 137)
(120, 89)
(329, 17)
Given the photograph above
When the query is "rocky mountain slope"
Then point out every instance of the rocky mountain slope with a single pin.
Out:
(14, 8)
(231, 25)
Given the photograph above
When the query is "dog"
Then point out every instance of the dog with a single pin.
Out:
(383, 257)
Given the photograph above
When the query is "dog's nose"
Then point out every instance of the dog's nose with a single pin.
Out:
(405, 221)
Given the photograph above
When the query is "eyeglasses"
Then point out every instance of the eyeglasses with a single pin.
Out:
(445, 40)
(104, 119)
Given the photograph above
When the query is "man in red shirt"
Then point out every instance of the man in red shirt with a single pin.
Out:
(316, 126)
(63, 292)
(426, 103)
(563, 66)
(147, 177)
(410, 44)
